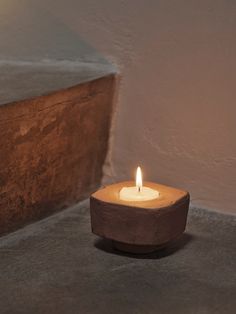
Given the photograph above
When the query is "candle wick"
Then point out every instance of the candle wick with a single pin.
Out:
(139, 189)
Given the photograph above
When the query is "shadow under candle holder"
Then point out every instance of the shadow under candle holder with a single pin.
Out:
(170, 249)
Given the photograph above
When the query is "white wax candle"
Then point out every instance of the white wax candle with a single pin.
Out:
(138, 192)
(133, 194)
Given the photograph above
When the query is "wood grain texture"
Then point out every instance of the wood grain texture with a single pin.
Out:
(148, 223)
(52, 149)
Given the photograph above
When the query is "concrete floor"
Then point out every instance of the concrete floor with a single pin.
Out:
(58, 266)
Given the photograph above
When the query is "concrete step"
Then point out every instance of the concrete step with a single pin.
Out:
(58, 266)
(21, 80)
(54, 128)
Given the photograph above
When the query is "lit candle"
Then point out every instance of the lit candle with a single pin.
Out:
(137, 218)
(138, 192)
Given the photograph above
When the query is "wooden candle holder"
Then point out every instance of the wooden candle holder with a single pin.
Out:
(139, 226)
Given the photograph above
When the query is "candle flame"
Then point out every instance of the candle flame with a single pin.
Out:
(139, 180)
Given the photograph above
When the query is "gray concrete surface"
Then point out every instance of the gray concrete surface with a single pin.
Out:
(20, 80)
(57, 266)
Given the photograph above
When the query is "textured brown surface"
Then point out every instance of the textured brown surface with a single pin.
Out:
(151, 223)
(52, 149)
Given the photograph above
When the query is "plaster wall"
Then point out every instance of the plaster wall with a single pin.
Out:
(176, 109)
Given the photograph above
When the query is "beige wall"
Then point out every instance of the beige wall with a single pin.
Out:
(176, 112)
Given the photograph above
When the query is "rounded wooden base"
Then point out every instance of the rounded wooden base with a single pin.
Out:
(139, 226)
(136, 249)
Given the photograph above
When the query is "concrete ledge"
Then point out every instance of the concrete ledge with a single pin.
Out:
(53, 144)
(58, 265)
(20, 80)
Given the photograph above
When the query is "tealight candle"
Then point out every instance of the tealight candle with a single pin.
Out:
(138, 192)
(137, 218)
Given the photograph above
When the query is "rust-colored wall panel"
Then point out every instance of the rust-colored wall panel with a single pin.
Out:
(52, 149)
